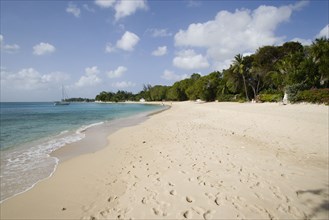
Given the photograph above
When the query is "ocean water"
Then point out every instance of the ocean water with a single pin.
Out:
(29, 132)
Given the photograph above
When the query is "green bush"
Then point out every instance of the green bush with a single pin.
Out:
(293, 90)
(226, 98)
(231, 98)
(314, 96)
(270, 97)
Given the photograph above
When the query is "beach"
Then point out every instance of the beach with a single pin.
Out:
(195, 161)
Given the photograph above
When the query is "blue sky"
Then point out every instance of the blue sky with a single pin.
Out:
(91, 46)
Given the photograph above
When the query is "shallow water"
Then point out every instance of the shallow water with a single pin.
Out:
(30, 132)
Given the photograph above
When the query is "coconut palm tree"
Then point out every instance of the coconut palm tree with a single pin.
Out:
(319, 52)
(239, 67)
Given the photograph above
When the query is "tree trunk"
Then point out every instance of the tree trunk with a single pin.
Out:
(245, 87)
(255, 93)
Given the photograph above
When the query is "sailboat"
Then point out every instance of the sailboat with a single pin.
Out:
(64, 97)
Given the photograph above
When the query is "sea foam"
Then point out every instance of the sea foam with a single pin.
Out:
(33, 164)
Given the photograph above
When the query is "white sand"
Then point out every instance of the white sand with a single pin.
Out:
(196, 161)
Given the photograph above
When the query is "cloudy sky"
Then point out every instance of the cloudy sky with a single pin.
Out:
(91, 46)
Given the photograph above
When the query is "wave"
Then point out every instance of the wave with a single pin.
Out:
(30, 187)
(33, 164)
(85, 127)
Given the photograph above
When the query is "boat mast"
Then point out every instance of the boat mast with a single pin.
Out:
(63, 93)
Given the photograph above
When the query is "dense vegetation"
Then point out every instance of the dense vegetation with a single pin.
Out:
(79, 100)
(300, 71)
(116, 97)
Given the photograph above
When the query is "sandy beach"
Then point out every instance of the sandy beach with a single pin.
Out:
(195, 161)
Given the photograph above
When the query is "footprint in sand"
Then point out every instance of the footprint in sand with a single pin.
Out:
(217, 201)
(187, 214)
(156, 211)
(276, 192)
(104, 213)
(159, 212)
(112, 198)
(173, 192)
(208, 214)
(189, 199)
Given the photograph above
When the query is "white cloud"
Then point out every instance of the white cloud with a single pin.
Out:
(193, 3)
(91, 70)
(73, 9)
(90, 78)
(105, 3)
(222, 64)
(160, 51)
(324, 32)
(128, 41)
(230, 33)
(43, 48)
(299, 5)
(109, 48)
(118, 72)
(171, 76)
(159, 32)
(11, 48)
(188, 59)
(88, 8)
(31, 79)
(125, 8)
(123, 84)
(8, 48)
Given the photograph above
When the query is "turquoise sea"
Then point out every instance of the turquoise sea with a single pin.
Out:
(29, 132)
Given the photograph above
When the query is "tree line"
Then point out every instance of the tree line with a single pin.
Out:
(301, 71)
(79, 100)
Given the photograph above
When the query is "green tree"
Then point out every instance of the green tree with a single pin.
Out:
(239, 67)
(290, 47)
(289, 67)
(233, 82)
(103, 96)
(177, 92)
(320, 54)
(195, 76)
(158, 93)
(210, 88)
(262, 72)
(193, 89)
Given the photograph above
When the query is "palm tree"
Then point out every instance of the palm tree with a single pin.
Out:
(319, 52)
(239, 67)
(318, 48)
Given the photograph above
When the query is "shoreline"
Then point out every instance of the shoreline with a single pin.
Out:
(207, 159)
(95, 138)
